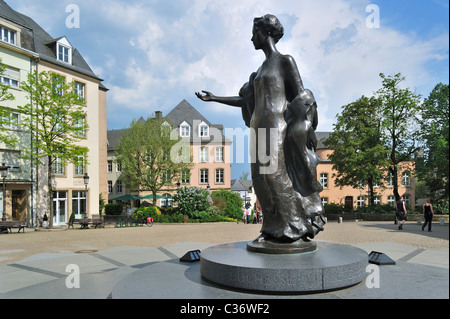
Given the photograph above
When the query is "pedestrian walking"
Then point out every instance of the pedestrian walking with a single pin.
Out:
(401, 212)
(427, 214)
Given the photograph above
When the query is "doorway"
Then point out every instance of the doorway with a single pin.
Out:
(59, 208)
(19, 205)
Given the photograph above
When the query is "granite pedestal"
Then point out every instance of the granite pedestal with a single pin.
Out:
(329, 267)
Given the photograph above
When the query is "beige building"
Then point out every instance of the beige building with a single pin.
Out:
(209, 148)
(356, 197)
(59, 56)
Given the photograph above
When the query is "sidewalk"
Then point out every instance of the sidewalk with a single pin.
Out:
(144, 262)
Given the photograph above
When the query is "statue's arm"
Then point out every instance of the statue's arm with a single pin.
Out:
(292, 79)
(228, 100)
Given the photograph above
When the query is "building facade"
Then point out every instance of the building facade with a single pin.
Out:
(209, 149)
(28, 48)
(356, 197)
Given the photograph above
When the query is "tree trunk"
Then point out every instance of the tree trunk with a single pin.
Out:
(50, 192)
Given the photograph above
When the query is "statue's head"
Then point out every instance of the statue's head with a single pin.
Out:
(270, 26)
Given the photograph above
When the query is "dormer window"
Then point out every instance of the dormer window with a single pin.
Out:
(203, 130)
(64, 50)
(8, 35)
(185, 129)
(63, 53)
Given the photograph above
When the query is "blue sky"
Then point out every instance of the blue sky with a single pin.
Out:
(153, 54)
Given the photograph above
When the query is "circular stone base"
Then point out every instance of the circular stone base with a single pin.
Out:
(273, 247)
(331, 266)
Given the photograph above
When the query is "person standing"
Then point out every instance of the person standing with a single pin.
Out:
(401, 212)
(427, 214)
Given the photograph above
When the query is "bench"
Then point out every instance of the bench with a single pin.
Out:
(5, 225)
(85, 222)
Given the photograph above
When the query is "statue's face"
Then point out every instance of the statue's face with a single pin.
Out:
(258, 38)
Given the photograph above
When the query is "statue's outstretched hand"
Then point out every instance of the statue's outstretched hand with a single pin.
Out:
(207, 97)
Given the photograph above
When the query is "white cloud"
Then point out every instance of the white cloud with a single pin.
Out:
(152, 54)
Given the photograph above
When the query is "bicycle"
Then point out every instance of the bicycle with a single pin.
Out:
(146, 221)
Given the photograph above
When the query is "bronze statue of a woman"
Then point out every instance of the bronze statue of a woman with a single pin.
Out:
(282, 115)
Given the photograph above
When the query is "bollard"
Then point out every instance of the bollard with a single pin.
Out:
(340, 220)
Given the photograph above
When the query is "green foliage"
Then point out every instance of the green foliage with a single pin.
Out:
(193, 201)
(358, 151)
(399, 112)
(148, 154)
(5, 95)
(113, 209)
(442, 207)
(433, 165)
(333, 208)
(376, 209)
(228, 203)
(52, 116)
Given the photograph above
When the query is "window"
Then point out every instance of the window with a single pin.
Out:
(185, 176)
(220, 176)
(204, 176)
(118, 167)
(8, 35)
(407, 199)
(57, 83)
(110, 187)
(63, 53)
(390, 179)
(11, 77)
(204, 154)
(406, 179)
(361, 201)
(203, 130)
(377, 200)
(324, 200)
(10, 120)
(185, 130)
(119, 187)
(79, 90)
(110, 166)
(79, 202)
(324, 180)
(391, 200)
(167, 176)
(79, 169)
(79, 126)
(58, 166)
(219, 154)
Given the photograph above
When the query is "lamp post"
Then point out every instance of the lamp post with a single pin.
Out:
(86, 182)
(4, 172)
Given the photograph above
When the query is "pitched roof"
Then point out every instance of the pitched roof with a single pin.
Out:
(39, 41)
(184, 111)
(321, 138)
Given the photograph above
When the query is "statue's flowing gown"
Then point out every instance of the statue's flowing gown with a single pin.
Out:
(284, 163)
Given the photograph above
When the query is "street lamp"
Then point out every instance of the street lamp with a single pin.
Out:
(4, 172)
(86, 182)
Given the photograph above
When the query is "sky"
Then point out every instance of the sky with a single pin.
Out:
(153, 54)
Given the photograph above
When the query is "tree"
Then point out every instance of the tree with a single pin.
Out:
(359, 155)
(399, 110)
(145, 152)
(56, 119)
(5, 95)
(433, 166)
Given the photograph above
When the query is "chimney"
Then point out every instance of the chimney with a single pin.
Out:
(158, 114)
